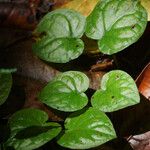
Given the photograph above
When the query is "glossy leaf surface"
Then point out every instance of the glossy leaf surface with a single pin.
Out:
(29, 129)
(60, 31)
(116, 24)
(86, 130)
(118, 90)
(66, 91)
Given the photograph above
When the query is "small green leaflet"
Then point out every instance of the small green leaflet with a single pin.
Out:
(6, 71)
(29, 129)
(5, 85)
(86, 130)
(118, 90)
(66, 92)
(61, 31)
(116, 24)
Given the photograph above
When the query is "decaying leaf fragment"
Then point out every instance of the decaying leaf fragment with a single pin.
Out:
(143, 82)
(146, 5)
(85, 7)
(140, 142)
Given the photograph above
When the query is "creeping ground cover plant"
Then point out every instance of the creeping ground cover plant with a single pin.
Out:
(114, 25)
(86, 128)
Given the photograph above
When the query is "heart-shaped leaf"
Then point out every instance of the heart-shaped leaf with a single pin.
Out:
(66, 91)
(60, 30)
(29, 129)
(86, 130)
(116, 24)
(118, 90)
(5, 85)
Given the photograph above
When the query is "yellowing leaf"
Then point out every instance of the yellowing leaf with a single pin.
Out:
(83, 6)
(59, 3)
(146, 5)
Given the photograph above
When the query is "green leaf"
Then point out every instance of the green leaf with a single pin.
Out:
(60, 30)
(60, 50)
(118, 90)
(29, 129)
(66, 92)
(116, 24)
(26, 118)
(6, 71)
(5, 86)
(86, 130)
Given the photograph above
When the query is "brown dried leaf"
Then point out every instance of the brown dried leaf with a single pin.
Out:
(140, 142)
(17, 15)
(143, 82)
(95, 79)
(60, 3)
(146, 5)
(83, 6)
(23, 14)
